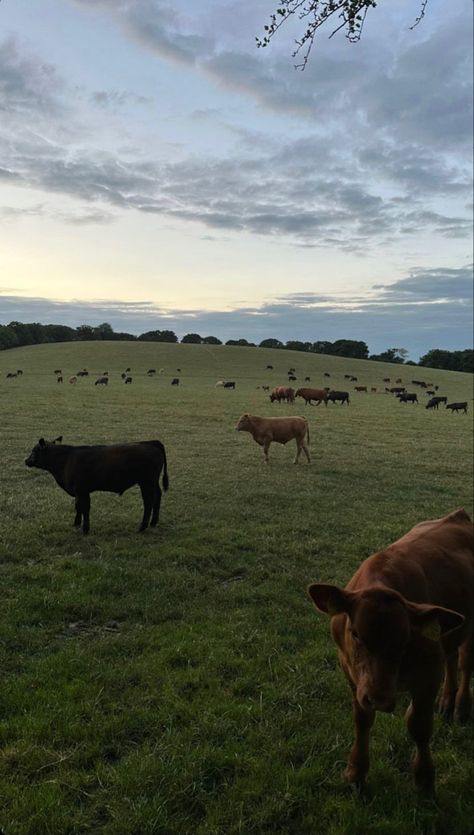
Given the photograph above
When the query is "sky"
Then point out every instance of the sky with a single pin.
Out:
(157, 170)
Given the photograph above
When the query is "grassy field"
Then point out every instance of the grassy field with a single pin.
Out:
(180, 681)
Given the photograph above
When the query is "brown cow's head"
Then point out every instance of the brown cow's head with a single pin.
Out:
(379, 627)
(38, 456)
(243, 424)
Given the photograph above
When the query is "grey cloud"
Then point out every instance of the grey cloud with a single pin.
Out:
(26, 83)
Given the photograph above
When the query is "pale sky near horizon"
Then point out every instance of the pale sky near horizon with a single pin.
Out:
(157, 170)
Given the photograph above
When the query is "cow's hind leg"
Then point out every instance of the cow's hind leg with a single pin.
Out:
(83, 506)
(462, 709)
(156, 506)
(266, 447)
(448, 692)
(148, 493)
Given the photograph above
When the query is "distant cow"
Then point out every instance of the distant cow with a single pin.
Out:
(406, 614)
(283, 393)
(318, 395)
(353, 379)
(307, 379)
(457, 407)
(326, 374)
(281, 430)
(219, 383)
(123, 375)
(127, 370)
(431, 392)
(57, 371)
(265, 388)
(229, 385)
(178, 370)
(11, 375)
(360, 388)
(175, 381)
(128, 380)
(59, 378)
(152, 371)
(105, 373)
(291, 378)
(336, 396)
(73, 380)
(82, 470)
(102, 381)
(347, 376)
(397, 390)
(441, 398)
(407, 397)
(433, 403)
(386, 379)
(399, 380)
(19, 372)
(270, 367)
(373, 388)
(83, 373)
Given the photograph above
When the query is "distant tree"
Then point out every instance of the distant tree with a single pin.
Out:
(158, 336)
(350, 348)
(123, 336)
(397, 355)
(192, 339)
(85, 333)
(296, 345)
(59, 333)
(104, 331)
(23, 332)
(241, 342)
(450, 360)
(211, 340)
(271, 343)
(8, 338)
(322, 347)
(345, 14)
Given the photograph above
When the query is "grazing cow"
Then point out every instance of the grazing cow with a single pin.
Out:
(318, 395)
(128, 380)
(441, 398)
(281, 430)
(82, 470)
(11, 375)
(407, 397)
(123, 375)
(433, 403)
(283, 393)
(175, 381)
(152, 371)
(230, 385)
(73, 380)
(335, 396)
(102, 381)
(83, 373)
(397, 390)
(59, 378)
(436, 388)
(431, 393)
(291, 378)
(161, 371)
(292, 371)
(270, 367)
(360, 388)
(373, 388)
(19, 372)
(57, 371)
(399, 380)
(386, 379)
(219, 383)
(353, 379)
(307, 379)
(105, 373)
(457, 407)
(406, 613)
(127, 370)
(265, 388)
(347, 376)
(326, 374)
(178, 370)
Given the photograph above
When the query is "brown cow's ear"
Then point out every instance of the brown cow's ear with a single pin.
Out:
(433, 622)
(330, 599)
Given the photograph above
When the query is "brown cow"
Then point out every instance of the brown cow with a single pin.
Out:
(319, 395)
(82, 470)
(264, 430)
(406, 614)
(283, 393)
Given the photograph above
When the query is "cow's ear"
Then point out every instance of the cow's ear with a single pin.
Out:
(433, 622)
(329, 599)
(58, 440)
(41, 442)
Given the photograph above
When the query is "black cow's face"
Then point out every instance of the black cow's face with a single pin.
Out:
(38, 456)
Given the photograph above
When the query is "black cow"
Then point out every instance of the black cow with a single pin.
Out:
(270, 367)
(433, 403)
(128, 380)
(457, 407)
(335, 396)
(11, 375)
(82, 470)
(19, 372)
(291, 378)
(59, 378)
(127, 370)
(82, 373)
(57, 371)
(175, 381)
(407, 397)
(307, 379)
(102, 381)
(151, 371)
(230, 385)
(326, 374)
(441, 398)
(123, 375)
(397, 390)
(353, 379)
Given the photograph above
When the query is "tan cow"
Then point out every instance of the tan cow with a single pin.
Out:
(264, 430)
(308, 394)
(406, 614)
(73, 379)
(283, 393)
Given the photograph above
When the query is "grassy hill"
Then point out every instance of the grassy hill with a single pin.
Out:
(180, 681)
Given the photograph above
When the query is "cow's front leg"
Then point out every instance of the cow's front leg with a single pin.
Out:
(78, 516)
(358, 765)
(84, 504)
(448, 692)
(462, 710)
(419, 719)
(266, 447)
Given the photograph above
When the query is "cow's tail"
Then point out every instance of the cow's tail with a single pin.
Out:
(307, 429)
(161, 447)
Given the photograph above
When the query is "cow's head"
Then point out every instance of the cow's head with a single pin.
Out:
(243, 424)
(379, 628)
(38, 456)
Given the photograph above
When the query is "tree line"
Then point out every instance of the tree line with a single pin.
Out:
(17, 334)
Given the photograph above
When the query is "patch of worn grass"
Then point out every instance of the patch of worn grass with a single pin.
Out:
(179, 681)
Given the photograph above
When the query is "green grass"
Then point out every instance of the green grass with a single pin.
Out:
(179, 681)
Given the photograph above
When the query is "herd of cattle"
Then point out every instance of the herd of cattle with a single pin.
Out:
(404, 617)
